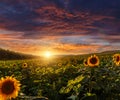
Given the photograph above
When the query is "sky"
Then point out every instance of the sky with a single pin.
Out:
(60, 26)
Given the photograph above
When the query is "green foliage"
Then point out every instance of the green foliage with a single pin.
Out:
(72, 84)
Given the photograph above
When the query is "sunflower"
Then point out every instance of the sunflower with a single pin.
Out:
(14, 65)
(9, 88)
(60, 64)
(24, 65)
(93, 61)
(85, 62)
(116, 59)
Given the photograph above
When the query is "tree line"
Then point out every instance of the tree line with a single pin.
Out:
(11, 55)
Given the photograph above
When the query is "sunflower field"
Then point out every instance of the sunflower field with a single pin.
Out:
(86, 77)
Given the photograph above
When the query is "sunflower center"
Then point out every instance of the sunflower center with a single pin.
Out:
(117, 58)
(8, 87)
(93, 60)
(24, 65)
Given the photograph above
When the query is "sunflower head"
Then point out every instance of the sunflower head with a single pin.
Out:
(24, 65)
(14, 65)
(85, 62)
(60, 64)
(9, 87)
(116, 59)
(93, 61)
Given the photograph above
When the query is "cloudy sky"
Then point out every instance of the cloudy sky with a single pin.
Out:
(60, 26)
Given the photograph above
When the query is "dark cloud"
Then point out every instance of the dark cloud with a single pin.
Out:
(102, 6)
(21, 15)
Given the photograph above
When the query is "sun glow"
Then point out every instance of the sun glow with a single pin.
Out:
(48, 54)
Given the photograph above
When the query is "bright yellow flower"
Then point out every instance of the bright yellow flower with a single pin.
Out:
(60, 64)
(9, 88)
(116, 59)
(85, 62)
(93, 61)
(24, 65)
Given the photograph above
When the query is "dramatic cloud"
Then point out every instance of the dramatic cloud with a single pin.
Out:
(76, 24)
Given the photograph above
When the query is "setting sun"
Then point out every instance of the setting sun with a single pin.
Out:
(48, 54)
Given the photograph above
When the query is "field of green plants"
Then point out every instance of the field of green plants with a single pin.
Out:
(66, 78)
